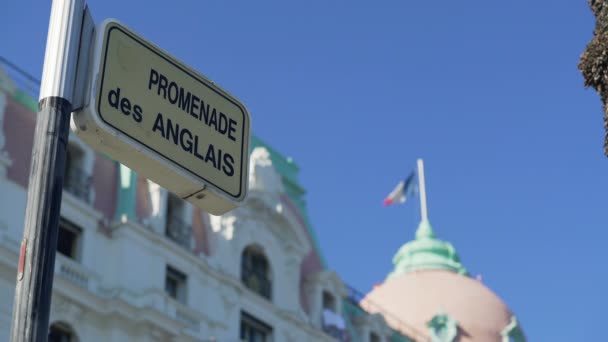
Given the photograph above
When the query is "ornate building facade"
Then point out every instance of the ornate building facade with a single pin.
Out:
(136, 263)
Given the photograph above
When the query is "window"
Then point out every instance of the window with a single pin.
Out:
(175, 284)
(443, 328)
(177, 229)
(331, 322)
(68, 239)
(59, 332)
(255, 271)
(329, 302)
(373, 337)
(254, 330)
(75, 180)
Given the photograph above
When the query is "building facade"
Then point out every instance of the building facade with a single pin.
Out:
(136, 263)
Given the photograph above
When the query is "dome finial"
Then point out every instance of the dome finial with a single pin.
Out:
(425, 230)
(426, 252)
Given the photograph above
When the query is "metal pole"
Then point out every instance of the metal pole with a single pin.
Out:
(37, 258)
(421, 184)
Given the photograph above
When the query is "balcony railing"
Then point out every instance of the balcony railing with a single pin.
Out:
(256, 280)
(78, 183)
(178, 231)
(73, 271)
(162, 302)
(187, 317)
(358, 299)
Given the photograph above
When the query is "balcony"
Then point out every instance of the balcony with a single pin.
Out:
(74, 272)
(186, 316)
(78, 183)
(334, 325)
(178, 231)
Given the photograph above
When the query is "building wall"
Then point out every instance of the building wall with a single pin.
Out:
(123, 274)
(114, 290)
(121, 266)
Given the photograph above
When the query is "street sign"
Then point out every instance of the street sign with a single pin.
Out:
(164, 120)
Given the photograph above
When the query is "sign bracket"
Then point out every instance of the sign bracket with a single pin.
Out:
(87, 41)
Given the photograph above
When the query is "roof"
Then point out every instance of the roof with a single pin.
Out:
(426, 253)
(418, 297)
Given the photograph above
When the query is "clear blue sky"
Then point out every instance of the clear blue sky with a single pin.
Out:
(487, 92)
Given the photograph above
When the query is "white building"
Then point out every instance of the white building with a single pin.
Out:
(135, 263)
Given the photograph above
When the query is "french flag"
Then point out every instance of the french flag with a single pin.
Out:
(401, 191)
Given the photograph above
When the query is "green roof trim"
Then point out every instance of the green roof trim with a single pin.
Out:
(289, 171)
(513, 332)
(350, 311)
(426, 253)
(26, 100)
(17, 94)
(284, 165)
(127, 194)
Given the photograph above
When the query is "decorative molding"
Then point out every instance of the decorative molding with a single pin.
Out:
(260, 208)
(158, 200)
(328, 280)
(513, 332)
(443, 328)
(224, 225)
(67, 310)
(265, 202)
(262, 174)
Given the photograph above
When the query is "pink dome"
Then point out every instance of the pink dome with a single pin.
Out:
(416, 297)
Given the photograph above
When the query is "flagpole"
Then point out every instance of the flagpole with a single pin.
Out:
(421, 185)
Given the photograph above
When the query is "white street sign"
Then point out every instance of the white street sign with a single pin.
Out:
(164, 120)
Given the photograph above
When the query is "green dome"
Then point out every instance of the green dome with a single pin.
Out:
(426, 253)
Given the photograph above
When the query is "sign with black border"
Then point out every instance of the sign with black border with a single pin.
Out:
(163, 112)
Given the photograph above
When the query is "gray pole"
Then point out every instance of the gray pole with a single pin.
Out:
(37, 258)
